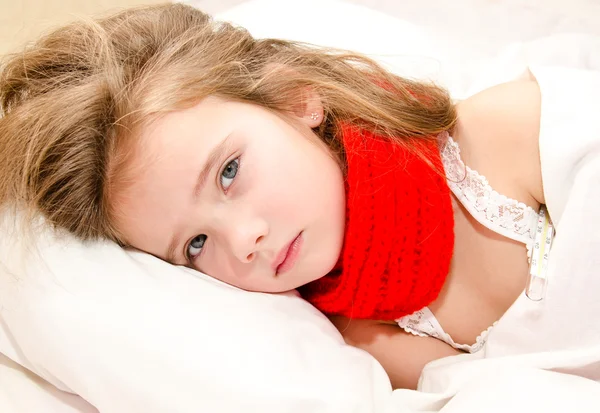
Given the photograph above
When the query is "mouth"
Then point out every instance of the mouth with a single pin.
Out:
(288, 255)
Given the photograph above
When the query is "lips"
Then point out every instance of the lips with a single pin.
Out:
(288, 255)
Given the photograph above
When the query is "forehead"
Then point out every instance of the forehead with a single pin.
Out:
(181, 124)
(189, 134)
(162, 170)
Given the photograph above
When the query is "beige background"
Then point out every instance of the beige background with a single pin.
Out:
(23, 20)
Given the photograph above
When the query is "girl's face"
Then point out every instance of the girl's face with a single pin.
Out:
(239, 193)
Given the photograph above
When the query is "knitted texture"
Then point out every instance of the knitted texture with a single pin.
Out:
(399, 234)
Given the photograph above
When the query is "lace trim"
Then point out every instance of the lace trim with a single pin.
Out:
(506, 216)
(423, 323)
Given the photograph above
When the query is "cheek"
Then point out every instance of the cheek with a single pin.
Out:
(230, 271)
(287, 193)
(218, 264)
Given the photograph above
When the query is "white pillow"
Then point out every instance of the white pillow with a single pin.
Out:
(130, 333)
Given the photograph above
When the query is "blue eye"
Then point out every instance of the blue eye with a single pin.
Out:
(195, 246)
(229, 173)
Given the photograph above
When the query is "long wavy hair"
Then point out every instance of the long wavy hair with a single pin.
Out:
(72, 104)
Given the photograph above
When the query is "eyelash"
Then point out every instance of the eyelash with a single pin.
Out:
(237, 172)
(189, 244)
(220, 177)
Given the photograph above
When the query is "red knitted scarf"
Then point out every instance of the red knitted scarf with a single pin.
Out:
(399, 234)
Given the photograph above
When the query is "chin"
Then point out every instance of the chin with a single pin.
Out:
(321, 271)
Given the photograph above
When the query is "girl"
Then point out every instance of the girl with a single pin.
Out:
(272, 165)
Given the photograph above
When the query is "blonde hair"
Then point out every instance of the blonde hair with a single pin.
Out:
(71, 103)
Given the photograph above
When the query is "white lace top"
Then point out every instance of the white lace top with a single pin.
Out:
(503, 215)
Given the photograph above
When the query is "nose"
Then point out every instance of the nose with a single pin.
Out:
(244, 234)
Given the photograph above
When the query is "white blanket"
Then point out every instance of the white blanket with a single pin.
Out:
(543, 355)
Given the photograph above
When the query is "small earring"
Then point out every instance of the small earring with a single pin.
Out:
(314, 116)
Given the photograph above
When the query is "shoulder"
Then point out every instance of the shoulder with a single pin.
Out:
(498, 133)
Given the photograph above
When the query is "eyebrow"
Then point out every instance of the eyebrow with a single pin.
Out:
(215, 155)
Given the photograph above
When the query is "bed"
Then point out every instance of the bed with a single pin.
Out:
(87, 328)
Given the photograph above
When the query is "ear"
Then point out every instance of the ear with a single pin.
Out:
(310, 109)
